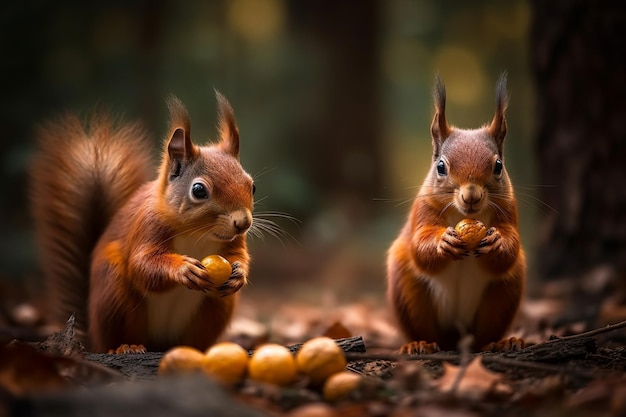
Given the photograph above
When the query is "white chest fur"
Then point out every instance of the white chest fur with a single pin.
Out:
(170, 312)
(457, 292)
(458, 289)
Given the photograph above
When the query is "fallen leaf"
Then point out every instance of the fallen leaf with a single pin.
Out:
(25, 370)
(472, 381)
(337, 331)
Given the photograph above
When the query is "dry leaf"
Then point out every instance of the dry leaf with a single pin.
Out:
(473, 381)
(611, 311)
(24, 370)
(337, 331)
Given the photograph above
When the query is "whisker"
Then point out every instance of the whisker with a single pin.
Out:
(261, 225)
(401, 201)
(446, 207)
(259, 200)
(279, 214)
(192, 230)
(532, 187)
(254, 231)
(258, 229)
(537, 200)
(498, 210)
(263, 171)
(398, 201)
(533, 197)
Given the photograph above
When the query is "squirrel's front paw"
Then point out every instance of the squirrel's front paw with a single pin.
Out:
(194, 275)
(451, 245)
(237, 280)
(491, 242)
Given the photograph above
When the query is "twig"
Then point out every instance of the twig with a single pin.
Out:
(590, 333)
(488, 360)
(455, 357)
(539, 366)
(525, 358)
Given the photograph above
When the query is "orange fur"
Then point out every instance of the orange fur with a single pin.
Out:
(437, 288)
(146, 283)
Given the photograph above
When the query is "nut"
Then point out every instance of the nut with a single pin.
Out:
(471, 231)
(219, 269)
(273, 364)
(226, 362)
(180, 360)
(319, 358)
(340, 385)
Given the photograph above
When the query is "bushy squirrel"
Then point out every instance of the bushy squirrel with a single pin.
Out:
(438, 288)
(122, 251)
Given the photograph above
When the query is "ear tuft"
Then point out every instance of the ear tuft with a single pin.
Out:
(439, 129)
(179, 145)
(497, 128)
(227, 126)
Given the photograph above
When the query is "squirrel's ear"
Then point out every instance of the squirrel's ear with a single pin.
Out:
(179, 146)
(227, 126)
(439, 129)
(497, 128)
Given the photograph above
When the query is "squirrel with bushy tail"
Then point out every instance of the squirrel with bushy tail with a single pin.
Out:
(122, 251)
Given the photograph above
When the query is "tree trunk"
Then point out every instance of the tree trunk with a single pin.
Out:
(578, 65)
(343, 155)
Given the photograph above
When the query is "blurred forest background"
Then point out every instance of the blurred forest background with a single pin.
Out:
(333, 102)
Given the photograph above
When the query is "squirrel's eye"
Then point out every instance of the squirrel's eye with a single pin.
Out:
(253, 188)
(441, 168)
(497, 168)
(198, 190)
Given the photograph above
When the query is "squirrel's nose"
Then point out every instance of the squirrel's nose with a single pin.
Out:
(242, 222)
(471, 194)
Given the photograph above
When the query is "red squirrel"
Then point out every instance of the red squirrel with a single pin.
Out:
(123, 251)
(439, 289)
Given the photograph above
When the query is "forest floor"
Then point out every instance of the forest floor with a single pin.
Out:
(574, 366)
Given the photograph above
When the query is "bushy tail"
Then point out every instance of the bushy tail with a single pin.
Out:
(81, 175)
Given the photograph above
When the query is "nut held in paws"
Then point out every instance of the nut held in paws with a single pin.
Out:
(471, 231)
(219, 268)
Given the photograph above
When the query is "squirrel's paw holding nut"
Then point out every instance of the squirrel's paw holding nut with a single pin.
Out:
(492, 241)
(452, 245)
(419, 348)
(195, 276)
(236, 281)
